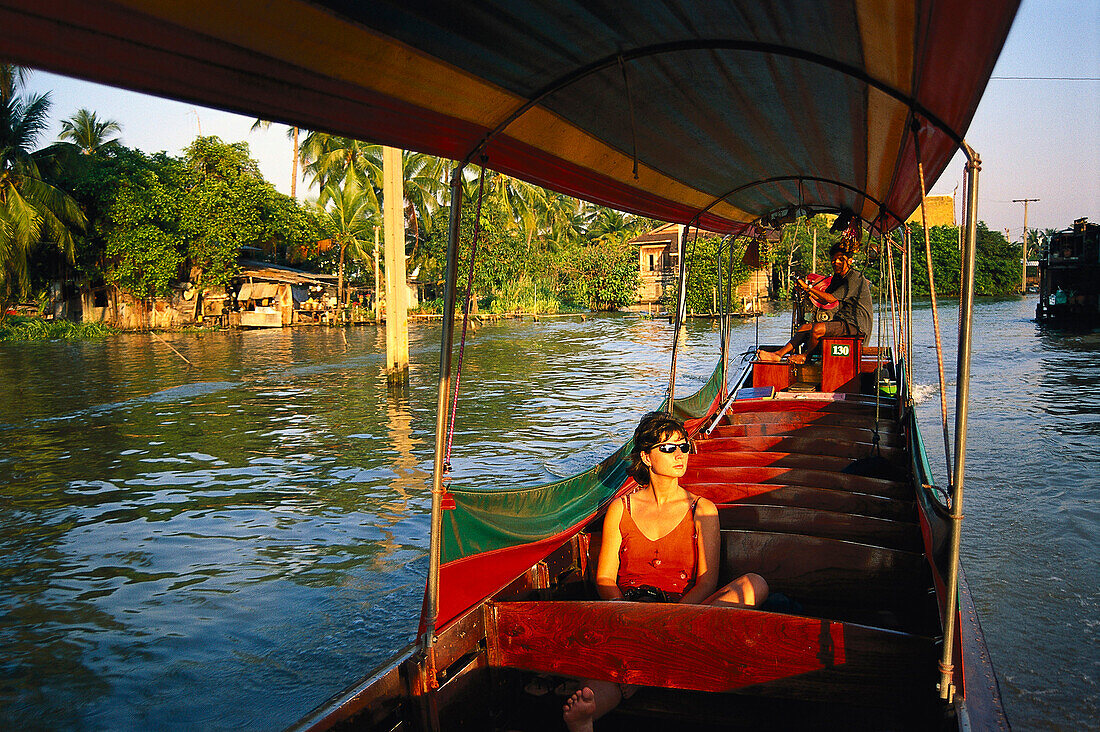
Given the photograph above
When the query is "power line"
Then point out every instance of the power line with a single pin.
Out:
(1046, 78)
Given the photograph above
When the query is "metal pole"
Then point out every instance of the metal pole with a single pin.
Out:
(680, 311)
(446, 342)
(962, 397)
(909, 308)
(729, 320)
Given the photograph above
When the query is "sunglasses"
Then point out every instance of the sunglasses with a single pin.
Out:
(669, 448)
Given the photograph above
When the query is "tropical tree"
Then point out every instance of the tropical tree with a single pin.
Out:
(349, 218)
(32, 210)
(89, 133)
(293, 134)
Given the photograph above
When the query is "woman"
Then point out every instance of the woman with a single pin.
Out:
(659, 543)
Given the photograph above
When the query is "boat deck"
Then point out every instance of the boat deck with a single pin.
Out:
(815, 492)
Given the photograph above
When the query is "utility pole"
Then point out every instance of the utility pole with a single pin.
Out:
(1023, 278)
(393, 223)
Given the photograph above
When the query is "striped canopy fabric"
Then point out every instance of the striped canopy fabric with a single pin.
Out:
(717, 111)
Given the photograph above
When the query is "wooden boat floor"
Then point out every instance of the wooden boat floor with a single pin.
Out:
(661, 710)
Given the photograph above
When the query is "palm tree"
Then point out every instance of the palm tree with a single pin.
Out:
(425, 189)
(334, 159)
(88, 132)
(32, 211)
(350, 217)
(292, 133)
(330, 158)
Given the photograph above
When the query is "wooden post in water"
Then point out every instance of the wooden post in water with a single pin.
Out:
(393, 222)
(378, 285)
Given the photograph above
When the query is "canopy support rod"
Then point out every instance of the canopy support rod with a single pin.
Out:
(445, 346)
(681, 304)
(962, 408)
(729, 316)
(800, 179)
(712, 44)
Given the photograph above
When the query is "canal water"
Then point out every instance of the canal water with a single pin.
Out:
(225, 545)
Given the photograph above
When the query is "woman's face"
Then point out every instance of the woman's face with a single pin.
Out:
(669, 464)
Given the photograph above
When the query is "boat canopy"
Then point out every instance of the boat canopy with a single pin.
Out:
(720, 113)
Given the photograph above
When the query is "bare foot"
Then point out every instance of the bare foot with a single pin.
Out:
(579, 710)
(768, 356)
(798, 358)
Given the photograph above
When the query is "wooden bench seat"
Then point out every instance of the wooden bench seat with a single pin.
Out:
(702, 648)
(887, 438)
(771, 458)
(795, 476)
(858, 405)
(821, 446)
(824, 572)
(819, 419)
(886, 533)
(826, 499)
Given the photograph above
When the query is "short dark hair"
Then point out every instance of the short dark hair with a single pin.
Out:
(653, 429)
(841, 247)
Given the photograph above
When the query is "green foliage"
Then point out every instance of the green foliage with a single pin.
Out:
(705, 270)
(501, 249)
(158, 219)
(36, 329)
(33, 210)
(603, 275)
(519, 296)
(998, 266)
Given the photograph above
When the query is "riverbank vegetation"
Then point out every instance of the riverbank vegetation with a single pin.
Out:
(21, 328)
(85, 212)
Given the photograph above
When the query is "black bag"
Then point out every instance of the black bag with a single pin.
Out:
(646, 593)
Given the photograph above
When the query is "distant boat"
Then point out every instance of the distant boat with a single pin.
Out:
(1069, 278)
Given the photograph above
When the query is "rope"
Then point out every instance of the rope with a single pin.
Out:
(895, 313)
(465, 319)
(932, 293)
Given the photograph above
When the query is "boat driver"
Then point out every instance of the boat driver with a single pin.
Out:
(853, 316)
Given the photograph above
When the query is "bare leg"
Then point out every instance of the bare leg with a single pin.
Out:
(776, 356)
(817, 331)
(748, 590)
(594, 700)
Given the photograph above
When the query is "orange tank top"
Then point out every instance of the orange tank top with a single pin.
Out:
(667, 563)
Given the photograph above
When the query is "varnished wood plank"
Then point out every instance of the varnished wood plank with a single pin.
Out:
(823, 571)
(812, 418)
(807, 497)
(801, 445)
(826, 524)
(795, 476)
(821, 406)
(769, 459)
(706, 648)
(808, 432)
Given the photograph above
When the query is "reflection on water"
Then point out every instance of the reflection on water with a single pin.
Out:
(226, 545)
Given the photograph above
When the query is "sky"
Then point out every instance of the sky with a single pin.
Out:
(1037, 137)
